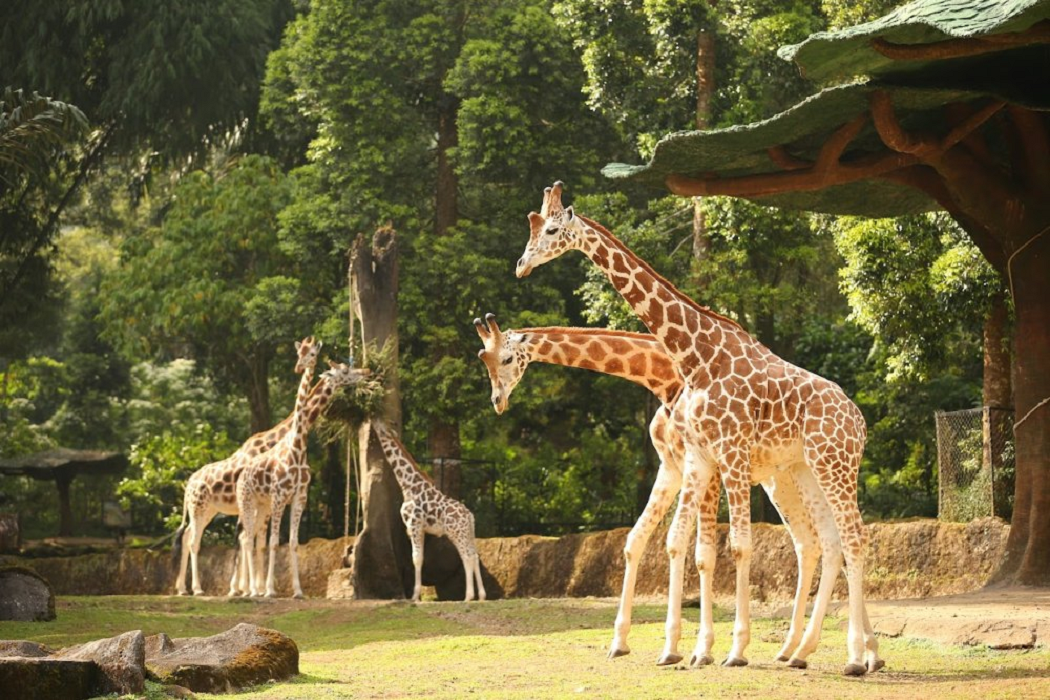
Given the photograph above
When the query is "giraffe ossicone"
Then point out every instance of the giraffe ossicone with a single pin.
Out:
(747, 413)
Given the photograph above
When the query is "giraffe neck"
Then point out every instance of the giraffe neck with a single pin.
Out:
(304, 417)
(681, 325)
(267, 439)
(408, 475)
(303, 394)
(637, 357)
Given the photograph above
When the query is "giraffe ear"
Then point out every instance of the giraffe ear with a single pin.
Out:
(481, 354)
(298, 344)
(569, 213)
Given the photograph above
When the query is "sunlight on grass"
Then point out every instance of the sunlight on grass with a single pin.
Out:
(538, 648)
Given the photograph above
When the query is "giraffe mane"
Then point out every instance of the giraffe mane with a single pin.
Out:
(660, 278)
(408, 455)
(603, 332)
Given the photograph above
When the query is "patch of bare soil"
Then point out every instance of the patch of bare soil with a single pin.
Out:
(1014, 617)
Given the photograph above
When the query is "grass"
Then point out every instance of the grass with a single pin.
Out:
(536, 649)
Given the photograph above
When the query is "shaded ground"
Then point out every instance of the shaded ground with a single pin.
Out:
(555, 648)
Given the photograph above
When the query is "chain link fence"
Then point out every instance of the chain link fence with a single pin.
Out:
(975, 461)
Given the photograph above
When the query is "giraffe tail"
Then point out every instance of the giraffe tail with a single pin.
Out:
(176, 547)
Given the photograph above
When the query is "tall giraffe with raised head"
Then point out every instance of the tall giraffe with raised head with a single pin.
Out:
(212, 489)
(747, 413)
(640, 358)
(272, 481)
(428, 511)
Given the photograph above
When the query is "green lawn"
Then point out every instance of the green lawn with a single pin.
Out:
(537, 649)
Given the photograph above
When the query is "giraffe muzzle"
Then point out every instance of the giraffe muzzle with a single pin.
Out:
(523, 269)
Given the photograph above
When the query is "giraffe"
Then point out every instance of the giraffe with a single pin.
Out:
(640, 358)
(211, 489)
(272, 481)
(746, 412)
(428, 511)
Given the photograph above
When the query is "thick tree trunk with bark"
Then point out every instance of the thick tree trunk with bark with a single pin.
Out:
(382, 554)
(997, 390)
(1029, 541)
(259, 393)
(445, 451)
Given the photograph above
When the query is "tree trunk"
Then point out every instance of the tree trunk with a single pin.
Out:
(443, 432)
(705, 90)
(997, 391)
(444, 449)
(382, 554)
(333, 481)
(1030, 528)
(65, 509)
(259, 393)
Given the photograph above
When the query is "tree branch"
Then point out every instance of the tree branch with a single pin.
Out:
(1034, 155)
(957, 48)
(832, 149)
(780, 156)
(796, 180)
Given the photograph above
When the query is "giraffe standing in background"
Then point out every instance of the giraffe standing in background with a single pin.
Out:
(278, 478)
(639, 358)
(428, 511)
(212, 489)
(747, 414)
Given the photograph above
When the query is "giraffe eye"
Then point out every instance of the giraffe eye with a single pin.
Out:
(507, 360)
(553, 230)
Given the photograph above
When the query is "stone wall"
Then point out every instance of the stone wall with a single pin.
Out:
(906, 559)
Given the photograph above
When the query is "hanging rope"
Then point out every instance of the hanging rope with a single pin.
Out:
(352, 466)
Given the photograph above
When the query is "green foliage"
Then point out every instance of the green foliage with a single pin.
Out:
(919, 286)
(161, 463)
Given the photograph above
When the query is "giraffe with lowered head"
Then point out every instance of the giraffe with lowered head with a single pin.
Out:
(639, 358)
(428, 511)
(212, 489)
(747, 413)
(272, 481)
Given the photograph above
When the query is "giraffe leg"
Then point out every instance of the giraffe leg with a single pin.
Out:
(706, 558)
(187, 537)
(693, 481)
(841, 493)
(417, 536)
(477, 573)
(238, 563)
(468, 555)
(738, 494)
(249, 522)
(783, 492)
(199, 523)
(831, 561)
(668, 482)
(298, 505)
(276, 514)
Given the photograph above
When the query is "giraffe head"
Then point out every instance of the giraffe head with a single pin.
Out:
(505, 356)
(308, 349)
(340, 374)
(552, 231)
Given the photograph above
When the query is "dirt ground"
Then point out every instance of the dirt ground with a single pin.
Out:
(1000, 618)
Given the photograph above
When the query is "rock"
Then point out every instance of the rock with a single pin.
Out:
(49, 679)
(157, 644)
(23, 648)
(341, 584)
(25, 596)
(121, 660)
(243, 656)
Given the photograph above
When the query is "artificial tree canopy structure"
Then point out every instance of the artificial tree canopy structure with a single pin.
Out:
(940, 104)
(61, 465)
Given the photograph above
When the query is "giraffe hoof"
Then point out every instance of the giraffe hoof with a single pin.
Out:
(705, 660)
(782, 658)
(617, 652)
(875, 665)
(854, 670)
(797, 663)
(198, 592)
(734, 662)
(181, 593)
(669, 659)
(298, 595)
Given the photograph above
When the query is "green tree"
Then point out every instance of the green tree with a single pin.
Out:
(211, 282)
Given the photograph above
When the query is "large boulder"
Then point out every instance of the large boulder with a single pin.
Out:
(240, 657)
(31, 678)
(121, 659)
(25, 595)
